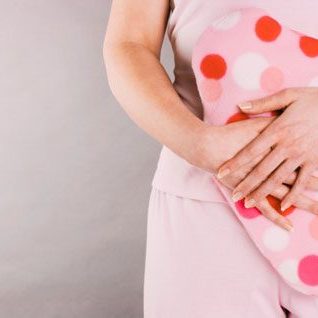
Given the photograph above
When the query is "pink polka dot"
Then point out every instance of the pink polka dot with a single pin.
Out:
(313, 228)
(248, 213)
(210, 89)
(308, 270)
(272, 79)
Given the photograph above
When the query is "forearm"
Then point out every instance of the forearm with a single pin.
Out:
(142, 87)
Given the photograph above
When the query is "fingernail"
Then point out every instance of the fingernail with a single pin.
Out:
(237, 196)
(223, 173)
(285, 206)
(245, 105)
(286, 224)
(288, 227)
(249, 203)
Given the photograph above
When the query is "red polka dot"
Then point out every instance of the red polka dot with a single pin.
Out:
(309, 46)
(242, 116)
(308, 270)
(248, 213)
(267, 29)
(237, 117)
(213, 66)
(275, 203)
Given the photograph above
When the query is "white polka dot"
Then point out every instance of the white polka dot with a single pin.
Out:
(313, 82)
(276, 238)
(247, 70)
(228, 21)
(288, 269)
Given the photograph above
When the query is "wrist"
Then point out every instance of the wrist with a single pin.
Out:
(203, 147)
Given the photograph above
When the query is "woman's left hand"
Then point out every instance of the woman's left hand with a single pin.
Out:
(293, 140)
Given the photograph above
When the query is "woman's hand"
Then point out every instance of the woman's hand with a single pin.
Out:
(220, 143)
(291, 141)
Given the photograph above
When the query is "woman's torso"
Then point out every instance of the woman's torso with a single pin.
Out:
(188, 19)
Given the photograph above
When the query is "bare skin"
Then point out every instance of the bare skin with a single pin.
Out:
(294, 141)
(143, 88)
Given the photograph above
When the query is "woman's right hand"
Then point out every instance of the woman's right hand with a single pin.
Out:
(219, 143)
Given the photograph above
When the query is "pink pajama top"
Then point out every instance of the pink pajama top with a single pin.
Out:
(187, 21)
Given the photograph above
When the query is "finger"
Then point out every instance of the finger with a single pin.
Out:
(298, 186)
(257, 146)
(302, 202)
(260, 173)
(311, 184)
(272, 102)
(291, 178)
(272, 182)
(241, 174)
(305, 203)
(280, 191)
(270, 213)
(257, 124)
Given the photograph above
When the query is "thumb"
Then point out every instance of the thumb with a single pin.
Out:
(272, 102)
(256, 124)
(260, 123)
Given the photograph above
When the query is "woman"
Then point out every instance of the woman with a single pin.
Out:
(200, 261)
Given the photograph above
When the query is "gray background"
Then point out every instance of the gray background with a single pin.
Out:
(75, 172)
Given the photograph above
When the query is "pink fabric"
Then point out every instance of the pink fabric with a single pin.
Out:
(244, 55)
(187, 20)
(201, 263)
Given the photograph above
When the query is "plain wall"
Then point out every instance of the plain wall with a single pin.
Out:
(75, 171)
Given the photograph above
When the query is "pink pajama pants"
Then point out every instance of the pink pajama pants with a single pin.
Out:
(200, 263)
